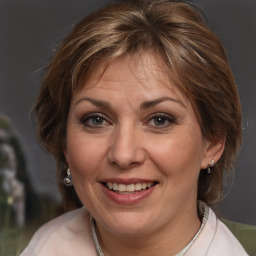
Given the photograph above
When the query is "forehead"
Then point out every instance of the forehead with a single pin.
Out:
(139, 72)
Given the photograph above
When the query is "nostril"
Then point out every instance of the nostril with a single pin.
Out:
(125, 150)
(125, 159)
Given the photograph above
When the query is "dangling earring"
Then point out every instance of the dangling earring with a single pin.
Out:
(68, 180)
(210, 166)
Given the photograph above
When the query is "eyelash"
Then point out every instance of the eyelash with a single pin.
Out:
(92, 117)
(162, 117)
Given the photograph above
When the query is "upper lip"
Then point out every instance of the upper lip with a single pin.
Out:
(127, 181)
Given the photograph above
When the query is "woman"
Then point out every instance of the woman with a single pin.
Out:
(140, 109)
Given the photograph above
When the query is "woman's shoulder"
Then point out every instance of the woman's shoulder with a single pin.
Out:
(246, 234)
(216, 239)
(223, 242)
(68, 234)
(225, 238)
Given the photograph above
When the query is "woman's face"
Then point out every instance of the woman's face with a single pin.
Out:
(135, 148)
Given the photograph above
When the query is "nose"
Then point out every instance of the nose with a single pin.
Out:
(126, 148)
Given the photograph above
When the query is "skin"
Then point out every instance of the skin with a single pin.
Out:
(124, 137)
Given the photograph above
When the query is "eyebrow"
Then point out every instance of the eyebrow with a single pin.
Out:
(152, 103)
(144, 105)
(96, 102)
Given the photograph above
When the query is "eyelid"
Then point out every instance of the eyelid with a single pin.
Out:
(85, 117)
(162, 114)
(170, 118)
(92, 114)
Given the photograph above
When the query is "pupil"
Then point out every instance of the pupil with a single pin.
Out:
(159, 120)
(97, 120)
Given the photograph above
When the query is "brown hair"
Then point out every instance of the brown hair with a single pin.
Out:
(176, 31)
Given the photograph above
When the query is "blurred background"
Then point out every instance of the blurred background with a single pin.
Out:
(30, 31)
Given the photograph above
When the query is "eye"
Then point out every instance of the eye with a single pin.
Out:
(95, 120)
(161, 120)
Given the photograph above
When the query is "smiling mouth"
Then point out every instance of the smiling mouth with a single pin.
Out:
(129, 188)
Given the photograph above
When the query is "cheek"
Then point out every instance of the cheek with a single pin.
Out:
(84, 155)
(178, 154)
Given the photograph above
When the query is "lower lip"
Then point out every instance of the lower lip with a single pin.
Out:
(128, 198)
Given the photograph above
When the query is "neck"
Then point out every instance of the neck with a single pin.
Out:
(167, 240)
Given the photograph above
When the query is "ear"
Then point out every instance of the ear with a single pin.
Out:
(213, 151)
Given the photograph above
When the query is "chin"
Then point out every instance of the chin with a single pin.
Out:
(129, 223)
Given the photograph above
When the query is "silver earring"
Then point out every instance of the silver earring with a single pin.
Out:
(68, 180)
(210, 166)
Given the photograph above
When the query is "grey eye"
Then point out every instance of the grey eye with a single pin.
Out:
(96, 120)
(159, 120)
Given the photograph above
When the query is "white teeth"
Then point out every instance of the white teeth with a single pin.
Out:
(130, 187)
(138, 186)
(115, 186)
(122, 187)
(109, 185)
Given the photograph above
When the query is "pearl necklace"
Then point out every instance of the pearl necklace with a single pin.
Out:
(202, 207)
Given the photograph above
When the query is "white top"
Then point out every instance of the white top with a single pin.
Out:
(70, 235)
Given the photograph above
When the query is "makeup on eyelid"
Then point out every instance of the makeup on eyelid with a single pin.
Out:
(99, 120)
(160, 114)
